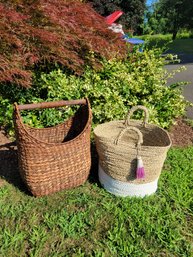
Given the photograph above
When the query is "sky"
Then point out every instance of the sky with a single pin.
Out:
(149, 2)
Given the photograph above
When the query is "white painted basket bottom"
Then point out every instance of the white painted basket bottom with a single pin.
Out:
(120, 188)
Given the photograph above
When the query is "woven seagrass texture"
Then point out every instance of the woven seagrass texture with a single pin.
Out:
(55, 158)
(118, 158)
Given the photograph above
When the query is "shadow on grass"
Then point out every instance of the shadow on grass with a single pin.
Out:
(184, 58)
(9, 170)
(93, 177)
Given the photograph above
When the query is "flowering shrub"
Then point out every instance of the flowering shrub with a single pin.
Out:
(112, 91)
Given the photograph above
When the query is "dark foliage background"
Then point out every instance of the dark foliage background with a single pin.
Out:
(177, 14)
(169, 16)
(133, 11)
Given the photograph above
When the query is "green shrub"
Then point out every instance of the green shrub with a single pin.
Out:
(184, 34)
(157, 40)
(141, 80)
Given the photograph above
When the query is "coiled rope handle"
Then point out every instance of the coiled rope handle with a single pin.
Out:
(137, 131)
(135, 108)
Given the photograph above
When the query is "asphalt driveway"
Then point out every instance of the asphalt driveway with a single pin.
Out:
(187, 75)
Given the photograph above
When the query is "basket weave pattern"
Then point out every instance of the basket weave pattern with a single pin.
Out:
(119, 161)
(55, 158)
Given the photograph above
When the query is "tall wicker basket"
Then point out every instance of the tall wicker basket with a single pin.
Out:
(54, 158)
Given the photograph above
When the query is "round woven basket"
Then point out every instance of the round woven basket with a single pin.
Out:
(120, 143)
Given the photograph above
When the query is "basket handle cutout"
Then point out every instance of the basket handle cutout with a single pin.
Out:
(55, 104)
(135, 108)
(136, 130)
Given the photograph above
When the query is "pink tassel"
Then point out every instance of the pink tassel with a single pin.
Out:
(140, 169)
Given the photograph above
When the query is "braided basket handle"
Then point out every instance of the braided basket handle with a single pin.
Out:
(135, 108)
(50, 104)
(136, 130)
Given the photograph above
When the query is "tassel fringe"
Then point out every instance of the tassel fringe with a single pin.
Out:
(140, 173)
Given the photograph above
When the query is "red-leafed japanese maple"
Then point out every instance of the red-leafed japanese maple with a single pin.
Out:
(70, 33)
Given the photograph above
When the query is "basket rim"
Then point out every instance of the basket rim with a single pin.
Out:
(138, 121)
(25, 126)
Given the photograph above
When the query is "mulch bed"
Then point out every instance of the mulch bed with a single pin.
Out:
(181, 135)
(8, 160)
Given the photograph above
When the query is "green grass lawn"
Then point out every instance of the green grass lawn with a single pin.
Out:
(88, 221)
(181, 46)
